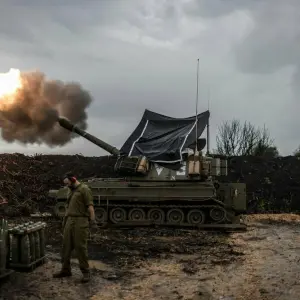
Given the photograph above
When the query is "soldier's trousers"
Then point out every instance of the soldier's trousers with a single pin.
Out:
(75, 237)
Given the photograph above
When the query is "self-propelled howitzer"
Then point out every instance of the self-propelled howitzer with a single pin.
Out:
(163, 178)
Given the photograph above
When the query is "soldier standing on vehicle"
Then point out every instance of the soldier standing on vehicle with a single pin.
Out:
(79, 215)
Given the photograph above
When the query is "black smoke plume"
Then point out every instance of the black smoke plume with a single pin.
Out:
(30, 114)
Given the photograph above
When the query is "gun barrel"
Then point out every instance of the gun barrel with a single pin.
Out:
(65, 123)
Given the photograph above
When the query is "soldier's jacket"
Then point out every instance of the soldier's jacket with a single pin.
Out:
(78, 201)
(76, 227)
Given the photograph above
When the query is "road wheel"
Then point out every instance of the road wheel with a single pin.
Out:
(136, 214)
(175, 215)
(195, 217)
(218, 214)
(100, 214)
(156, 215)
(117, 215)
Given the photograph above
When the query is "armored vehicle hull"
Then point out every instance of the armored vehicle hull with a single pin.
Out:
(177, 203)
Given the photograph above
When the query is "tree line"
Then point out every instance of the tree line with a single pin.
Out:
(235, 138)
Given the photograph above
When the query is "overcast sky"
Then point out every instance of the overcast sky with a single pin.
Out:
(133, 54)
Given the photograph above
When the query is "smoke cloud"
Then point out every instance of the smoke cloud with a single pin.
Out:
(30, 115)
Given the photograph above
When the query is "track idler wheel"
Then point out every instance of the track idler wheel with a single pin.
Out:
(218, 214)
(137, 214)
(117, 215)
(175, 216)
(196, 217)
(60, 209)
(101, 215)
(156, 215)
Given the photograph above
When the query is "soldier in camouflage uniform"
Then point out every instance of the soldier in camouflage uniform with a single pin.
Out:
(79, 215)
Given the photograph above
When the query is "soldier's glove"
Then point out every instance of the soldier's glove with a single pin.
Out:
(93, 226)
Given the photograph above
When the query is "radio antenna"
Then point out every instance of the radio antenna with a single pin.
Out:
(197, 99)
(207, 129)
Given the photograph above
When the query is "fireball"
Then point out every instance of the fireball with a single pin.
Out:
(10, 82)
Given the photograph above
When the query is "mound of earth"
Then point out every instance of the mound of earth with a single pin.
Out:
(273, 185)
(26, 180)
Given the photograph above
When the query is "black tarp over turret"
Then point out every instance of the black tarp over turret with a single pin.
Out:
(162, 139)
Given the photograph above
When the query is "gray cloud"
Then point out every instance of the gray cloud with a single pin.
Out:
(273, 47)
(216, 8)
(274, 42)
(134, 54)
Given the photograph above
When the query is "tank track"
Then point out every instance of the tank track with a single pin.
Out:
(200, 216)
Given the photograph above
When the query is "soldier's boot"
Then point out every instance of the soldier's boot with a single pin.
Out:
(62, 273)
(86, 276)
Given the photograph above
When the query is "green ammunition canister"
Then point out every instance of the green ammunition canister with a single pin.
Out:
(9, 256)
(25, 249)
(20, 234)
(15, 246)
(32, 247)
(37, 245)
(42, 241)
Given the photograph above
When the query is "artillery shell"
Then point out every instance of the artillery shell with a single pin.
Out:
(4, 224)
(3, 237)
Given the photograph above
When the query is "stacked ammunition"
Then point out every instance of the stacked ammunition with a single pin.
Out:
(27, 244)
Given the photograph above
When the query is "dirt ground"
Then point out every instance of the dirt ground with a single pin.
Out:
(260, 264)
